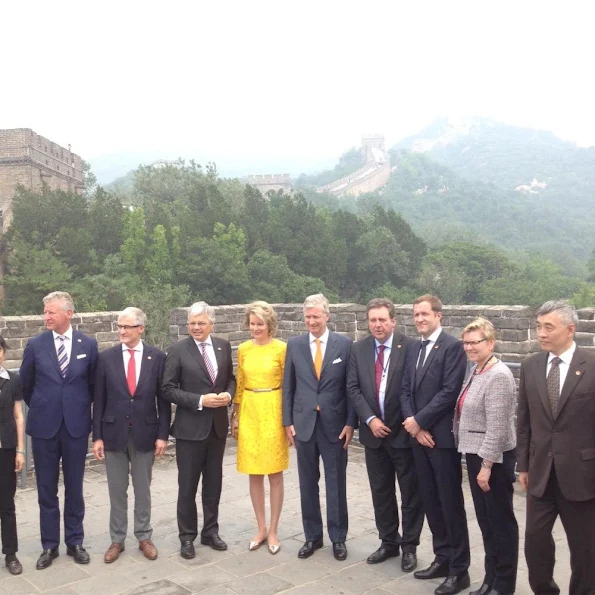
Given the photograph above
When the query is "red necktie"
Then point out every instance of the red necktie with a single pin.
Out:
(379, 371)
(131, 374)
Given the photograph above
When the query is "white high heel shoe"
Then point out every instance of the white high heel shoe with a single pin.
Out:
(254, 545)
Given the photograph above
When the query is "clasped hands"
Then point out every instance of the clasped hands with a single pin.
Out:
(213, 400)
(422, 436)
(346, 435)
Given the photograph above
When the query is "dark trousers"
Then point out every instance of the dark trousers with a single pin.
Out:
(47, 454)
(8, 488)
(495, 516)
(382, 465)
(578, 519)
(196, 458)
(439, 475)
(334, 459)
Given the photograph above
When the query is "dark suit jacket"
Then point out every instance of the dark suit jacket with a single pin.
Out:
(430, 394)
(51, 398)
(361, 387)
(302, 391)
(186, 378)
(10, 391)
(113, 407)
(568, 442)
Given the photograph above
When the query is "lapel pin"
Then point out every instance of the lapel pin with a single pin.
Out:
(218, 348)
(578, 372)
(398, 347)
(149, 357)
(436, 346)
(80, 340)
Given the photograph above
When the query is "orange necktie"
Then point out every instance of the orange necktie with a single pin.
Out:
(318, 359)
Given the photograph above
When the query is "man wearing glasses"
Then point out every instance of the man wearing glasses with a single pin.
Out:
(199, 379)
(130, 427)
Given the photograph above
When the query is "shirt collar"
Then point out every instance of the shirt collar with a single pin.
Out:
(566, 357)
(323, 338)
(434, 336)
(138, 348)
(208, 341)
(388, 343)
(4, 373)
(67, 334)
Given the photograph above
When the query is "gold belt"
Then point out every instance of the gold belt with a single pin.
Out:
(262, 390)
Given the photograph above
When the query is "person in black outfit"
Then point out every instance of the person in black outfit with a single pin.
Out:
(12, 459)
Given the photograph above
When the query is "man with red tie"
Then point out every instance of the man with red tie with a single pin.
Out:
(130, 427)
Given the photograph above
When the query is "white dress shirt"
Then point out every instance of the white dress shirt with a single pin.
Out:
(323, 344)
(138, 358)
(210, 353)
(564, 365)
(67, 343)
(432, 341)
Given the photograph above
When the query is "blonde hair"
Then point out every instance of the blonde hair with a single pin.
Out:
(64, 298)
(483, 326)
(265, 312)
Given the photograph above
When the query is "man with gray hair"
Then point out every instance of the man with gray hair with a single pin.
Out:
(130, 427)
(57, 375)
(556, 450)
(199, 379)
(319, 420)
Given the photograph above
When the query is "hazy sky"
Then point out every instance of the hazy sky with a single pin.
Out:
(281, 86)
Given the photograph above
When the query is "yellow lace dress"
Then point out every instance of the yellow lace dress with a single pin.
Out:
(262, 443)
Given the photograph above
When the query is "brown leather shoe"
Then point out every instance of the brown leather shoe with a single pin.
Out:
(113, 552)
(147, 547)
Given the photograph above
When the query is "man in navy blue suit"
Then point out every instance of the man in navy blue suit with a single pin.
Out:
(57, 375)
(130, 427)
(433, 377)
(319, 420)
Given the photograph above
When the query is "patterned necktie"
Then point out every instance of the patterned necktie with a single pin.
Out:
(208, 364)
(62, 356)
(131, 374)
(422, 354)
(379, 370)
(553, 385)
(318, 359)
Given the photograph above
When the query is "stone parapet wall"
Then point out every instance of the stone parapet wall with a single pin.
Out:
(515, 326)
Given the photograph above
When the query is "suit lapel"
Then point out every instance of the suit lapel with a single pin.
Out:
(48, 341)
(197, 355)
(330, 352)
(218, 355)
(306, 353)
(576, 371)
(420, 373)
(118, 365)
(395, 354)
(370, 361)
(146, 367)
(540, 372)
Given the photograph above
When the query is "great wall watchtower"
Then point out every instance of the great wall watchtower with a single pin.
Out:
(31, 160)
(266, 182)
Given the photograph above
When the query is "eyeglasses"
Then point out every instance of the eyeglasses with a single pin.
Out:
(127, 327)
(472, 343)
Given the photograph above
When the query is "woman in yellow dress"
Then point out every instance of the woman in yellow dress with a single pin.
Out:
(257, 420)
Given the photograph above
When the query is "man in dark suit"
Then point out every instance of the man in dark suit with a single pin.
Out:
(374, 383)
(319, 420)
(434, 374)
(556, 451)
(130, 427)
(57, 375)
(199, 379)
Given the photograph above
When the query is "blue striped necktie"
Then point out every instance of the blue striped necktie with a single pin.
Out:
(62, 357)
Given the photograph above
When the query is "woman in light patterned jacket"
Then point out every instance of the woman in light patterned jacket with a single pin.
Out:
(484, 430)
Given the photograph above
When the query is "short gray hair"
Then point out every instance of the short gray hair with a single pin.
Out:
(136, 314)
(564, 310)
(317, 301)
(60, 296)
(199, 308)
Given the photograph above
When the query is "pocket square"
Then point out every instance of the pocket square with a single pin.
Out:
(81, 355)
(338, 361)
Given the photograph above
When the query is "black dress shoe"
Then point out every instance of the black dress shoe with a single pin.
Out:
(45, 560)
(79, 553)
(309, 548)
(339, 550)
(13, 564)
(454, 584)
(434, 570)
(382, 553)
(214, 541)
(408, 562)
(187, 550)
(483, 590)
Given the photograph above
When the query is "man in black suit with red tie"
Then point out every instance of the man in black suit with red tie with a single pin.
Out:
(130, 427)
(199, 379)
(434, 374)
(374, 378)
